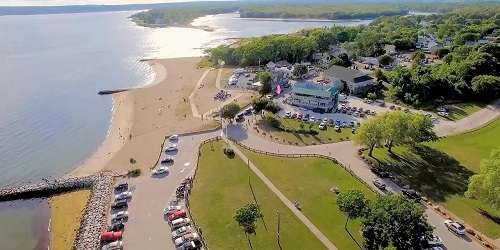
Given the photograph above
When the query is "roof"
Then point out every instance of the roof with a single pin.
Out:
(314, 89)
(344, 74)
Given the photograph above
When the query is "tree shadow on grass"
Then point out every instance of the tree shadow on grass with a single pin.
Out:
(434, 173)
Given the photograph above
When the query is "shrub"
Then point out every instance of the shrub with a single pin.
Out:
(134, 173)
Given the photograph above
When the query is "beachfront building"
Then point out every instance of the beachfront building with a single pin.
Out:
(355, 82)
(314, 96)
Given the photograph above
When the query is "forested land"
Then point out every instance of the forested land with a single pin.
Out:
(344, 11)
(467, 71)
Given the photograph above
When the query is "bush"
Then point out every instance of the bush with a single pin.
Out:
(229, 152)
(134, 173)
(265, 104)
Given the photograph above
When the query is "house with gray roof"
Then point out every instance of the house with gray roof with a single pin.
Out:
(355, 81)
(314, 96)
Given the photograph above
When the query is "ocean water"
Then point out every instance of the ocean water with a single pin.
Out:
(51, 68)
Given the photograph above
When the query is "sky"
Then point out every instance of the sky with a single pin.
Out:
(81, 2)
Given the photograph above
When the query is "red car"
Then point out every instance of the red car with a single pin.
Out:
(111, 236)
(177, 214)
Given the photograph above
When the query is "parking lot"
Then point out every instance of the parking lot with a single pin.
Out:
(146, 227)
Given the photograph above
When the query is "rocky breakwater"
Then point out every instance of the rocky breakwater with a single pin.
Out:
(45, 188)
(94, 219)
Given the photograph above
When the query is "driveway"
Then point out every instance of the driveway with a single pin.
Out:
(346, 153)
(146, 227)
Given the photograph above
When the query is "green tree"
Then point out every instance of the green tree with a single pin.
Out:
(230, 110)
(265, 79)
(370, 133)
(352, 203)
(393, 220)
(417, 58)
(486, 86)
(372, 96)
(485, 186)
(299, 70)
(246, 217)
(385, 59)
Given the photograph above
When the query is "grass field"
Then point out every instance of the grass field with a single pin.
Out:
(462, 110)
(221, 186)
(308, 181)
(67, 211)
(441, 170)
(324, 136)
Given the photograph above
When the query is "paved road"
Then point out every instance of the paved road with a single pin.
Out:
(146, 228)
(321, 237)
(473, 121)
(345, 153)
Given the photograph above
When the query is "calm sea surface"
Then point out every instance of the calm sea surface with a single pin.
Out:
(51, 68)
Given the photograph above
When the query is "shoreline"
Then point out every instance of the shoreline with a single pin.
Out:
(132, 119)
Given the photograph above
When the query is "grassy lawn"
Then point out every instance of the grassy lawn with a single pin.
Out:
(308, 181)
(469, 148)
(67, 211)
(440, 170)
(222, 186)
(324, 136)
(461, 110)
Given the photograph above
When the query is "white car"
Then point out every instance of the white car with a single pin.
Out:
(171, 209)
(173, 138)
(322, 126)
(119, 215)
(444, 114)
(434, 240)
(159, 171)
(172, 147)
(180, 222)
(123, 195)
(337, 128)
(325, 120)
(188, 237)
(113, 245)
(455, 227)
(288, 114)
(181, 231)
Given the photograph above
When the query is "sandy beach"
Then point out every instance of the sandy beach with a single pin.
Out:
(142, 117)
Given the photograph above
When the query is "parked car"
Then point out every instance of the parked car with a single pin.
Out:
(119, 215)
(160, 171)
(173, 138)
(455, 227)
(288, 114)
(433, 240)
(412, 194)
(171, 209)
(380, 172)
(180, 222)
(337, 128)
(294, 115)
(324, 120)
(119, 204)
(186, 238)
(248, 111)
(443, 114)
(177, 214)
(123, 195)
(171, 148)
(121, 187)
(168, 160)
(111, 236)
(181, 231)
(113, 245)
(322, 126)
(118, 226)
(195, 244)
(379, 184)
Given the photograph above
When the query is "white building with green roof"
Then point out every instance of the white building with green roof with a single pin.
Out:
(314, 96)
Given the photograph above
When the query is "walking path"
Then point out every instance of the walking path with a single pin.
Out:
(346, 154)
(328, 244)
(194, 109)
(476, 120)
